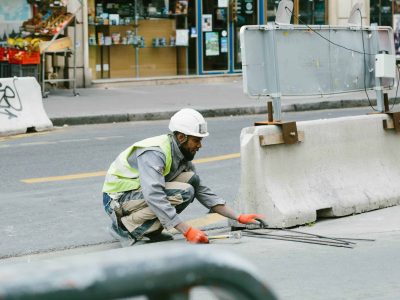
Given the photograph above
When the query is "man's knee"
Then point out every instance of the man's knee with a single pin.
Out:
(188, 194)
(189, 177)
(187, 197)
(194, 181)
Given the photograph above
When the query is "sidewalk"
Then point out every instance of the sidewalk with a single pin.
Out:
(216, 96)
(294, 270)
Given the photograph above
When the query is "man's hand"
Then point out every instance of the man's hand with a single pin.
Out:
(250, 218)
(196, 236)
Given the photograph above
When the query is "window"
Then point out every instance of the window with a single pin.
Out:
(381, 12)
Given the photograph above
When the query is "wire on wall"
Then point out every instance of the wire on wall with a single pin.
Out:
(355, 51)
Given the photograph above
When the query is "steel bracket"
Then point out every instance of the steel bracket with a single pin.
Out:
(289, 134)
(394, 123)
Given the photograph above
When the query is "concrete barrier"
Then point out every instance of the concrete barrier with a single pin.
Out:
(343, 166)
(21, 106)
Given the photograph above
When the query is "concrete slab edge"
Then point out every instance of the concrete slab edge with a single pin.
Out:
(171, 80)
(218, 112)
(208, 222)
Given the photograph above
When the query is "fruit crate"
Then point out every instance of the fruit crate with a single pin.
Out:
(21, 57)
(3, 54)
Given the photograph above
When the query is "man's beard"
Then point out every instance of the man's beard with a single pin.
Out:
(186, 153)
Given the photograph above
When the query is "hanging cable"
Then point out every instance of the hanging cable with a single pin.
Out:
(346, 48)
(365, 65)
(397, 88)
(326, 39)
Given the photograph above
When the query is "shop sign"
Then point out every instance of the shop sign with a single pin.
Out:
(249, 7)
(212, 44)
(206, 22)
(224, 45)
(182, 37)
(222, 3)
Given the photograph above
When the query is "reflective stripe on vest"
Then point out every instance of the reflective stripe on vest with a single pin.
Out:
(122, 177)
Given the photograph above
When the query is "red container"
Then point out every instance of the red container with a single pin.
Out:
(3, 54)
(21, 57)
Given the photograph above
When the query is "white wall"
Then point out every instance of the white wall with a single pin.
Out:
(12, 14)
(339, 11)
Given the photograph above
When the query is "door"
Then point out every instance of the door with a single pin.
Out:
(215, 35)
(244, 12)
(220, 23)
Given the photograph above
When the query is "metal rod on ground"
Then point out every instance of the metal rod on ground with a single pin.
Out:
(263, 225)
(233, 235)
(308, 238)
(345, 239)
(300, 238)
(306, 242)
(312, 234)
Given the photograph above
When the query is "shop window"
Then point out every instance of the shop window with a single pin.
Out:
(311, 12)
(396, 27)
(381, 12)
(142, 38)
(305, 11)
(272, 6)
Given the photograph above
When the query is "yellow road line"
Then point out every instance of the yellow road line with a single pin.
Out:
(22, 135)
(65, 177)
(216, 158)
(103, 173)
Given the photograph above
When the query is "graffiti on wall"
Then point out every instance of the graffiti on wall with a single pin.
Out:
(10, 102)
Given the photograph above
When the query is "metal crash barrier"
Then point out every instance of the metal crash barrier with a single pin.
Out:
(167, 273)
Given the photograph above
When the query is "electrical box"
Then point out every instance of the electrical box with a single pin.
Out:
(385, 65)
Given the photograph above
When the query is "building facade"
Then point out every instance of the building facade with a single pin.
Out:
(134, 39)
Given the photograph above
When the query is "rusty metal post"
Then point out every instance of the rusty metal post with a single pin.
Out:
(270, 112)
(386, 101)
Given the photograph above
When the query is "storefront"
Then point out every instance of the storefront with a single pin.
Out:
(218, 26)
(152, 38)
(304, 11)
(157, 38)
(387, 13)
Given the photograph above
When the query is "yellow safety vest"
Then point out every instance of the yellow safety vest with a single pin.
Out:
(122, 177)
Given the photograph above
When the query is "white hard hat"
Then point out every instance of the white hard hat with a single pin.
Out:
(190, 122)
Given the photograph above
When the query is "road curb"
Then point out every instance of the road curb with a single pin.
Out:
(209, 112)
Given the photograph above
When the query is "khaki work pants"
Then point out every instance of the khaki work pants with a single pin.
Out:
(139, 219)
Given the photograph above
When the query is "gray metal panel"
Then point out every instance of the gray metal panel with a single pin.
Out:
(306, 63)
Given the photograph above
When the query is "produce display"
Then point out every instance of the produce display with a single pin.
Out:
(50, 17)
(28, 43)
(47, 25)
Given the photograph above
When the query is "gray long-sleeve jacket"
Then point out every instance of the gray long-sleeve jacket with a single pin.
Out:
(151, 163)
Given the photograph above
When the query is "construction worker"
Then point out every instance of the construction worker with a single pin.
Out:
(152, 181)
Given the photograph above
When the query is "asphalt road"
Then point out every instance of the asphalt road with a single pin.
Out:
(60, 213)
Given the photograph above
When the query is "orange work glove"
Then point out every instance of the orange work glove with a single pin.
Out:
(195, 236)
(250, 218)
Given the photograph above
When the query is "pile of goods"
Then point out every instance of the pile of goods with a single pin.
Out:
(27, 43)
(47, 24)
(49, 19)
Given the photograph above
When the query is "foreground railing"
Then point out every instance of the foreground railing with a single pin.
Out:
(166, 273)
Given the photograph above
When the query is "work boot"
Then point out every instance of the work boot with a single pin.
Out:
(122, 236)
(159, 236)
